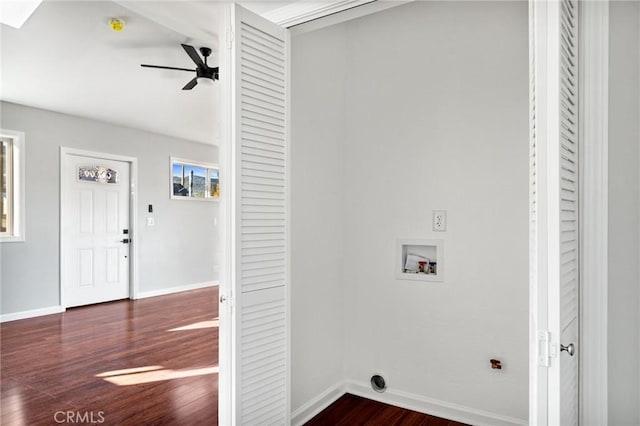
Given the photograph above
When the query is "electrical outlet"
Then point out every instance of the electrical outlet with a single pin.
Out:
(440, 220)
(150, 221)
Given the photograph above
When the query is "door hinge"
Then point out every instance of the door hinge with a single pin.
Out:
(229, 38)
(224, 299)
(544, 348)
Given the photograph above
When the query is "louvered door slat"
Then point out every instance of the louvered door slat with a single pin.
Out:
(255, 375)
(260, 62)
(263, 114)
(266, 48)
(256, 85)
(273, 143)
(262, 251)
(256, 128)
(264, 282)
(261, 100)
(263, 153)
(257, 74)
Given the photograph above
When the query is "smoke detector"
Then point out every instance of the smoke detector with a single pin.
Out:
(116, 24)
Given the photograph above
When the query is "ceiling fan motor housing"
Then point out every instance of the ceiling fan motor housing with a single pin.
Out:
(211, 73)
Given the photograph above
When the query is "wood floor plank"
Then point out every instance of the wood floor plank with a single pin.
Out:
(362, 411)
(336, 411)
(389, 416)
(357, 411)
(144, 362)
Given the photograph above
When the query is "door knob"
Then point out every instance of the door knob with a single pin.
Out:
(223, 298)
(125, 241)
(569, 348)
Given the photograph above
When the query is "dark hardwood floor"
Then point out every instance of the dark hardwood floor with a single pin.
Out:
(146, 362)
(351, 410)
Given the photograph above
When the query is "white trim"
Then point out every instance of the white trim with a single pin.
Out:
(18, 192)
(178, 289)
(287, 144)
(226, 384)
(434, 407)
(14, 316)
(327, 20)
(133, 215)
(538, 267)
(225, 354)
(315, 405)
(594, 96)
(133, 230)
(300, 12)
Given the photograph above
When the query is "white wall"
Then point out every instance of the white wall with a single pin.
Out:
(436, 118)
(179, 250)
(318, 132)
(624, 214)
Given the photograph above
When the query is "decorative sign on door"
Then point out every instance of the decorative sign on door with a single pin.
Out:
(97, 174)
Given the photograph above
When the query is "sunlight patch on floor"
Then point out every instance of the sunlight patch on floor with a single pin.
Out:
(154, 375)
(198, 325)
(130, 371)
(13, 402)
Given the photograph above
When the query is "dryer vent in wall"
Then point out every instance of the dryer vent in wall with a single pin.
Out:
(378, 384)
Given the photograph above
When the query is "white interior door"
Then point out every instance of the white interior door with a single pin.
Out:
(254, 360)
(554, 211)
(95, 226)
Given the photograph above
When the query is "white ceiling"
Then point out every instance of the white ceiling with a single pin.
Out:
(66, 58)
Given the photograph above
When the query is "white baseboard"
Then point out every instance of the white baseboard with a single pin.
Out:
(31, 314)
(434, 407)
(141, 295)
(313, 407)
(171, 290)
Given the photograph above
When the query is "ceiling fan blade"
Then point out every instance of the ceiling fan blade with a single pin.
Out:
(166, 68)
(190, 85)
(191, 51)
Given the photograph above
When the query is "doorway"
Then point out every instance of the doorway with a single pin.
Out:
(97, 255)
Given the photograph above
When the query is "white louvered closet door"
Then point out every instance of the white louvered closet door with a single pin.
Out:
(554, 211)
(257, 210)
(566, 321)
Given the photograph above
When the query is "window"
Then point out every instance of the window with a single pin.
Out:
(12, 186)
(192, 180)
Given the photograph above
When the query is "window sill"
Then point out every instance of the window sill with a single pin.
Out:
(173, 197)
(12, 239)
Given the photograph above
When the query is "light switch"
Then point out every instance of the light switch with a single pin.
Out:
(150, 221)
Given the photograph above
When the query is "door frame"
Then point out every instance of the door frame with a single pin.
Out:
(594, 129)
(593, 106)
(593, 69)
(133, 215)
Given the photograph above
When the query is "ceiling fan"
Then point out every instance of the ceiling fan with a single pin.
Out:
(204, 73)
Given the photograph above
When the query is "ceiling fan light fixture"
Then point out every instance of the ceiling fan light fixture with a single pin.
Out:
(205, 81)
